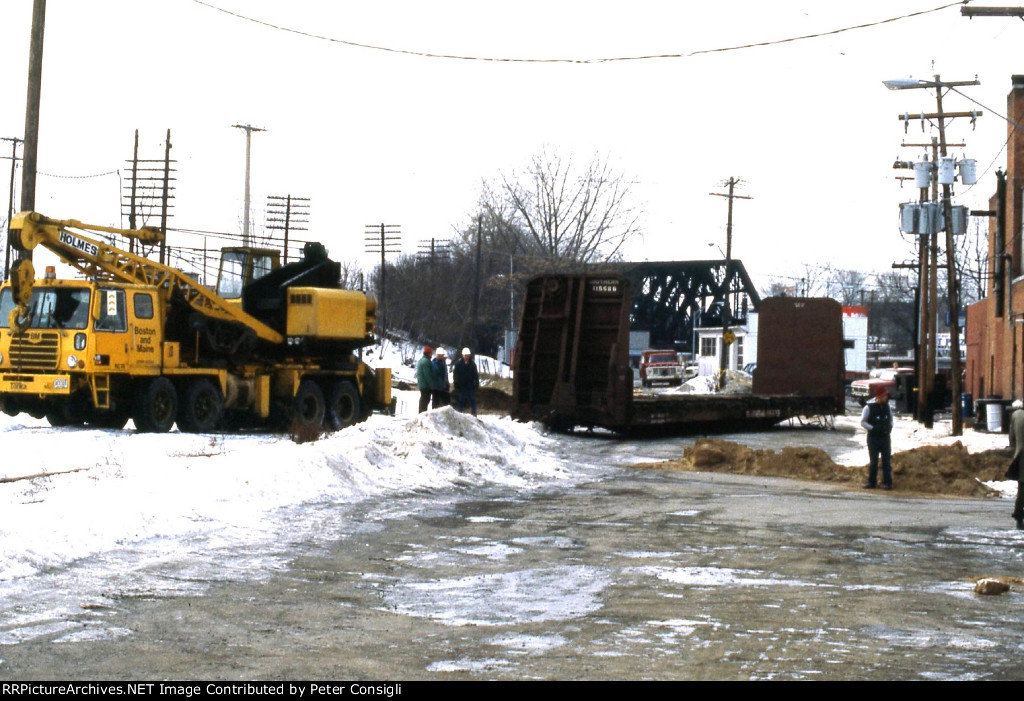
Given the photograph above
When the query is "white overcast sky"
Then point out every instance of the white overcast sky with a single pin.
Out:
(371, 135)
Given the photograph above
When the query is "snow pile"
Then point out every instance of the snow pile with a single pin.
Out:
(67, 494)
(701, 384)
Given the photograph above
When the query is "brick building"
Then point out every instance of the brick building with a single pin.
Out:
(995, 345)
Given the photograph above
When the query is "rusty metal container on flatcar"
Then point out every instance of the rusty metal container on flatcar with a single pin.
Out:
(800, 348)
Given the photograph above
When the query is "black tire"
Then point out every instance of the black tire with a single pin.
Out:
(58, 418)
(114, 419)
(156, 406)
(344, 407)
(202, 407)
(308, 407)
(69, 412)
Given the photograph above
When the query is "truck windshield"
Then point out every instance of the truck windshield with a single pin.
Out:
(234, 274)
(60, 308)
(232, 270)
(662, 358)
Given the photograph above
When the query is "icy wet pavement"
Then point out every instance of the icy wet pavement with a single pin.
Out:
(636, 575)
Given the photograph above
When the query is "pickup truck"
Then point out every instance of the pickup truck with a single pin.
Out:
(660, 366)
(863, 390)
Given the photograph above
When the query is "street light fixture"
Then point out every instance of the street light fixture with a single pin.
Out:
(902, 83)
(911, 83)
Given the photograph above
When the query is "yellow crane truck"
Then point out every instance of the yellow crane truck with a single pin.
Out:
(274, 345)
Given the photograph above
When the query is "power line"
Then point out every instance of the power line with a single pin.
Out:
(79, 177)
(609, 59)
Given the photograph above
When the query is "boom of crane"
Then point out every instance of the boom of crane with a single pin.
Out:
(101, 260)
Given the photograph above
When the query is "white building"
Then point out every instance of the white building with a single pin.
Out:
(855, 333)
(741, 351)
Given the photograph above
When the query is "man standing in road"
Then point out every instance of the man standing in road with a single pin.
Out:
(1017, 443)
(877, 421)
(466, 380)
(425, 378)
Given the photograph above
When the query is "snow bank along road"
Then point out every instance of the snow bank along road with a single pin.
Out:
(447, 547)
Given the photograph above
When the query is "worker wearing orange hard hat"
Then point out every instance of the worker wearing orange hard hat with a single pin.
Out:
(877, 421)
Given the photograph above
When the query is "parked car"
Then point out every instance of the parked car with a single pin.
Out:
(660, 366)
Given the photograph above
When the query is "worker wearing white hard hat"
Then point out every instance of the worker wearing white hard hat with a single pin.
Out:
(466, 380)
(440, 396)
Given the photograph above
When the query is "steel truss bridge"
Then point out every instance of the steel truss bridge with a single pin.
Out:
(669, 297)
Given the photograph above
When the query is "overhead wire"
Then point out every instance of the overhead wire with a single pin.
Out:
(607, 59)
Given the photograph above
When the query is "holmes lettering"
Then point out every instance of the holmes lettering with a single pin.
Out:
(89, 249)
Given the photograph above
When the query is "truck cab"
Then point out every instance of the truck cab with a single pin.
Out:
(80, 334)
(240, 265)
(660, 366)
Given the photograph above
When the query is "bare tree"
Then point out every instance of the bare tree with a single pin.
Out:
(973, 263)
(893, 315)
(563, 213)
(780, 288)
(351, 275)
(814, 282)
(846, 286)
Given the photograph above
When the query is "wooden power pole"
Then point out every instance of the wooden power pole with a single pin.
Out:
(727, 336)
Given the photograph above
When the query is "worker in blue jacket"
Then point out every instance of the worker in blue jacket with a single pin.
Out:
(441, 396)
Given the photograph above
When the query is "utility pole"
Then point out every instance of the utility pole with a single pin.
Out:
(249, 129)
(475, 307)
(388, 240)
(152, 181)
(940, 116)
(132, 220)
(927, 283)
(287, 213)
(35, 87)
(165, 197)
(951, 276)
(10, 203)
(727, 336)
(432, 251)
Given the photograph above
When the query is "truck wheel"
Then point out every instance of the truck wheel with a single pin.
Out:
(156, 406)
(308, 407)
(113, 419)
(59, 417)
(70, 412)
(201, 407)
(343, 405)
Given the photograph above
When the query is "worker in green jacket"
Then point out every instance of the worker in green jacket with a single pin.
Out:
(425, 377)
